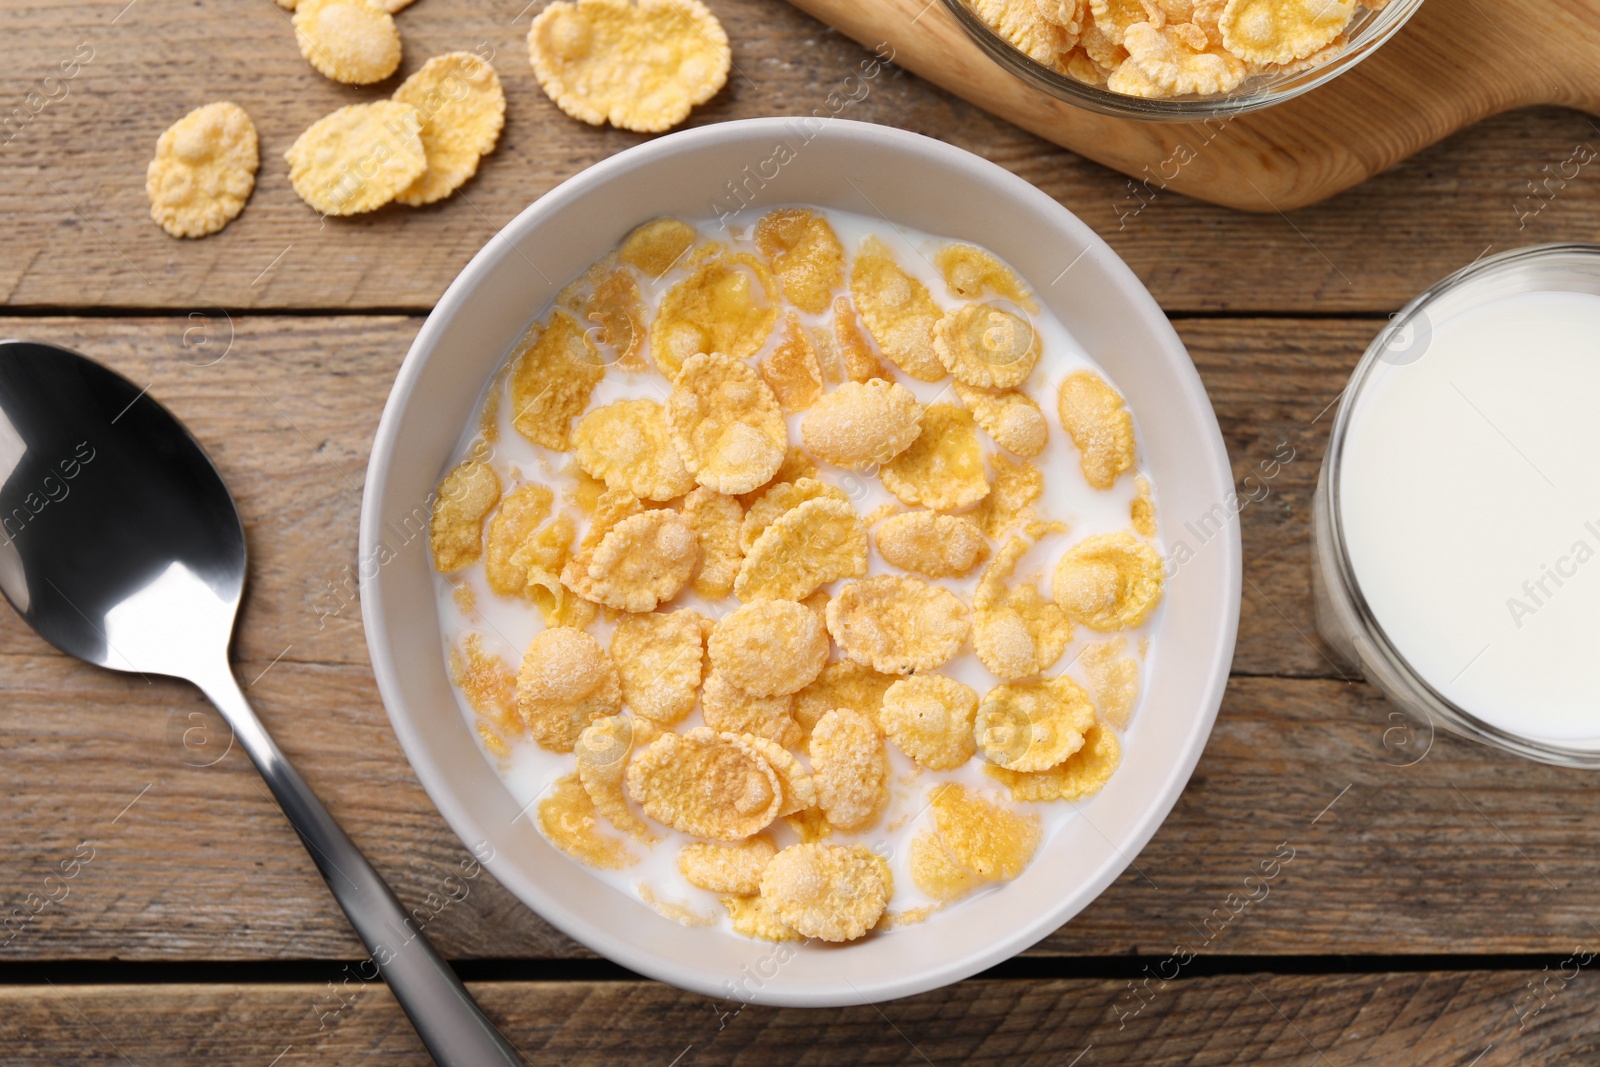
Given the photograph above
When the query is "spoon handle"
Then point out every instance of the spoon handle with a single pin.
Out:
(448, 1020)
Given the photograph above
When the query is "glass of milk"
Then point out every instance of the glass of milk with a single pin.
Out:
(1456, 537)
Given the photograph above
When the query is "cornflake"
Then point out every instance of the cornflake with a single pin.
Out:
(754, 917)
(844, 684)
(602, 752)
(567, 817)
(769, 648)
(522, 511)
(805, 254)
(731, 869)
(728, 709)
(777, 500)
(1010, 417)
(627, 445)
(1080, 775)
(641, 561)
(830, 892)
(715, 519)
(1032, 726)
(1179, 63)
(791, 370)
(551, 379)
(799, 792)
(943, 467)
(930, 718)
(1018, 23)
(897, 625)
(617, 311)
(1142, 512)
(639, 65)
(463, 110)
(491, 690)
(350, 41)
(358, 158)
(1114, 679)
(659, 662)
(937, 872)
(897, 310)
(658, 245)
(466, 496)
(726, 424)
(936, 546)
(857, 361)
(1017, 485)
(727, 305)
(1016, 632)
(862, 424)
(1280, 31)
(1099, 425)
(566, 682)
(1109, 582)
(986, 346)
(818, 542)
(796, 465)
(850, 769)
(971, 273)
(990, 841)
(204, 170)
(705, 784)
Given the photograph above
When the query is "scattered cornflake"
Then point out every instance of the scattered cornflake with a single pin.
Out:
(1099, 425)
(810, 825)
(489, 686)
(726, 424)
(1080, 775)
(567, 817)
(1032, 726)
(728, 304)
(796, 465)
(930, 718)
(850, 769)
(818, 542)
(715, 519)
(602, 753)
(728, 709)
(555, 370)
(1010, 417)
(842, 684)
(754, 917)
(676, 910)
(465, 497)
(203, 171)
(639, 65)
(897, 625)
(799, 791)
(705, 784)
(1017, 22)
(791, 370)
(992, 842)
(777, 500)
(731, 869)
(610, 508)
(1016, 632)
(1280, 31)
(642, 561)
(659, 659)
(862, 425)
(1114, 679)
(524, 556)
(1113, 17)
(831, 892)
(520, 514)
(937, 872)
(805, 254)
(943, 467)
(1109, 582)
(626, 444)
(986, 346)
(350, 41)
(358, 158)
(1017, 485)
(972, 273)
(658, 245)
(463, 110)
(566, 682)
(1142, 512)
(1177, 59)
(897, 310)
(933, 545)
(857, 361)
(769, 647)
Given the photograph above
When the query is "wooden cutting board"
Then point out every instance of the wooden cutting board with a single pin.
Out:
(1455, 63)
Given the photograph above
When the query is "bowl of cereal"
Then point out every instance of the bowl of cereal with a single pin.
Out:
(1179, 60)
(787, 600)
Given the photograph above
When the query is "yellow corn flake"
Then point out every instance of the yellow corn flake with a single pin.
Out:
(850, 769)
(810, 825)
(567, 817)
(350, 41)
(769, 648)
(465, 497)
(971, 273)
(897, 310)
(777, 500)
(705, 784)
(829, 892)
(796, 465)
(618, 314)
(799, 792)
(1080, 775)
(1032, 726)
(204, 170)
(610, 508)
(935, 546)
(943, 467)
(791, 370)
(1114, 679)
(728, 304)
(1113, 17)
(585, 492)
(1080, 68)
(715, 519)
(1018, 23)
(358, 158)
(602, 753)
(857, 361)
(754, 917)
(862, 425)
(513, 544)
(1280, 31)
(1100, 426)
(726, 424)
(986, 346)
(728, 709)
(566, 682)
(805, 254)
(816, 543)
(937, 872)
(992, 842)
(897, 625)
(540, 559)
(639, 65)
(676, 910)
(626, 444)
(642, 561)
(555, 370)
(1018, 484)
(1010, 417)
(659, 658)
(843, 684)
(1142, 512)
(1178, 61)
(489, 686)
(658, 245)
(930, 718)
(463, 110)
(1109, 582)
(1070, 15)
(731, 869)
(1016, 632)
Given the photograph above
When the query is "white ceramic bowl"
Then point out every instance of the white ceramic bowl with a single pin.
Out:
(920, 183)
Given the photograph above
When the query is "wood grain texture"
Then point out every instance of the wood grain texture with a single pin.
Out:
(1425, 1020)
(78, 233)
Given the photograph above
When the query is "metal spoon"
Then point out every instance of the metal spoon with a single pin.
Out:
(121, 546)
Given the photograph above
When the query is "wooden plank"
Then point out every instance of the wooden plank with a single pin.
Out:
(79, 234)
(1444, 1019)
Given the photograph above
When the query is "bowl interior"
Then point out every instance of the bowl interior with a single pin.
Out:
(917, 182)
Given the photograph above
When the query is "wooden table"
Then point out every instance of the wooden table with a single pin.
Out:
(1436, 910)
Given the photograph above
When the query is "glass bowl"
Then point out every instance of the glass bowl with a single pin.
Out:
(1367, 31)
